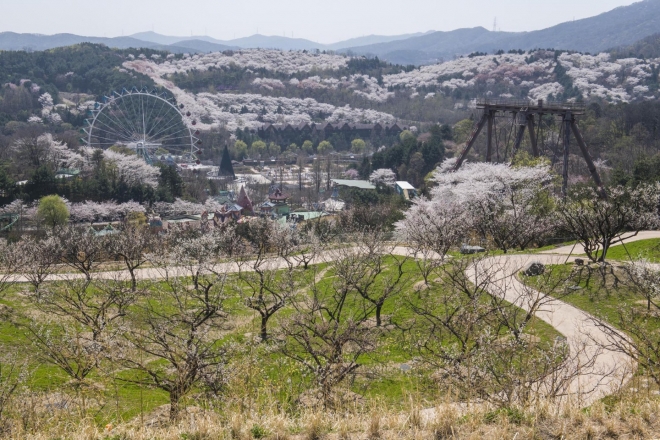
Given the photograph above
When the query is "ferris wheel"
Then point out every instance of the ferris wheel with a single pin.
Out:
(146, 122)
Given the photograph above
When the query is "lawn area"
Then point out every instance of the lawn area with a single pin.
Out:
(588, 293)
(649, 249)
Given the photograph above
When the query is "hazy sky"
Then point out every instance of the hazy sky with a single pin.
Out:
(321, 21)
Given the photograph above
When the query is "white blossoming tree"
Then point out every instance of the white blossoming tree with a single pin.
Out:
(383, 177)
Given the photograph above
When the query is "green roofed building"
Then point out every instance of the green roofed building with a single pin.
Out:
(360, 184)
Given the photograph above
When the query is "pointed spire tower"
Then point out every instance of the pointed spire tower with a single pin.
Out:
(244, 201)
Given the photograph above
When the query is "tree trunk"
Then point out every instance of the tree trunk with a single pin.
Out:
(264, 328)
(378, 310)
(174, 405)
(133, 280)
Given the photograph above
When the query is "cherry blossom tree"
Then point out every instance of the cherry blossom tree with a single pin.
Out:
(132, 170)
(510, 205)
(383, 177)
(351, 174)
(431, 228)
(90, 211)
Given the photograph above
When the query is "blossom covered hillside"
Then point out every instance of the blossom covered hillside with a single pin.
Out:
(537, 75)
(249, 110)
(260, 86)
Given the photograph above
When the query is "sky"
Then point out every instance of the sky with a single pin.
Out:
(320, 21)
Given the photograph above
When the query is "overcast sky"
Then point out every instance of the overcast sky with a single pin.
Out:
(321, 21)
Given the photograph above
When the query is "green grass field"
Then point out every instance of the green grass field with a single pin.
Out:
(648, 249)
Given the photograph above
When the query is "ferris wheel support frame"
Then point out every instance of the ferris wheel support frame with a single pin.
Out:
(143, 150)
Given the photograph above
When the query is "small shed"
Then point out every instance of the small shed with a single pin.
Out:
(406, 190)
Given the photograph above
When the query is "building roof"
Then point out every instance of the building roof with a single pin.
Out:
(68, 171)
(404, 185)
(361, 184)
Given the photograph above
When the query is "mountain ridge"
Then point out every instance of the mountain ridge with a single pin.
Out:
(620, 27)
(275, 41)
(632, 23)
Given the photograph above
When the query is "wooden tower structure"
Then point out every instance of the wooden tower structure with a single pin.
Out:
(528, 117)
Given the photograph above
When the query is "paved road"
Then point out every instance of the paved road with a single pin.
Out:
(579, 249)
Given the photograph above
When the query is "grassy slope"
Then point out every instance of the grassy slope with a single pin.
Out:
(265, 370)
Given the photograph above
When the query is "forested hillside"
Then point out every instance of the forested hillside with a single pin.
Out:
(232, 94)
(648, 47)
(86, 70)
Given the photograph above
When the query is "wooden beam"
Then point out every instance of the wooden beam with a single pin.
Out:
(587, 158)
(567, 142)
(489, 148)
(471, 140)
(532, 134)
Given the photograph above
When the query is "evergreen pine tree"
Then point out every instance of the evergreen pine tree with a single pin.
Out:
(226, 168)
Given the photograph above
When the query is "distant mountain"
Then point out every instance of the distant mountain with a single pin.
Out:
(200, 46)
(14, 41)
(372, 39)
(621, 26)
(154, 37)
(275, 42)
(34, 42)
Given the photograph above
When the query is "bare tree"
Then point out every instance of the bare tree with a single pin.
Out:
(80, 248)
(94, 305)
(643, 277)
(82, 323)
(132, 245)
(598, 223)
(302, 246)
(179, 326)
(633, 329)
(68, 346)
(11, 261)
(39, 259)
(329, 334)
(471, 328)
(371, 269)
(13, 374)
(267, 285)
